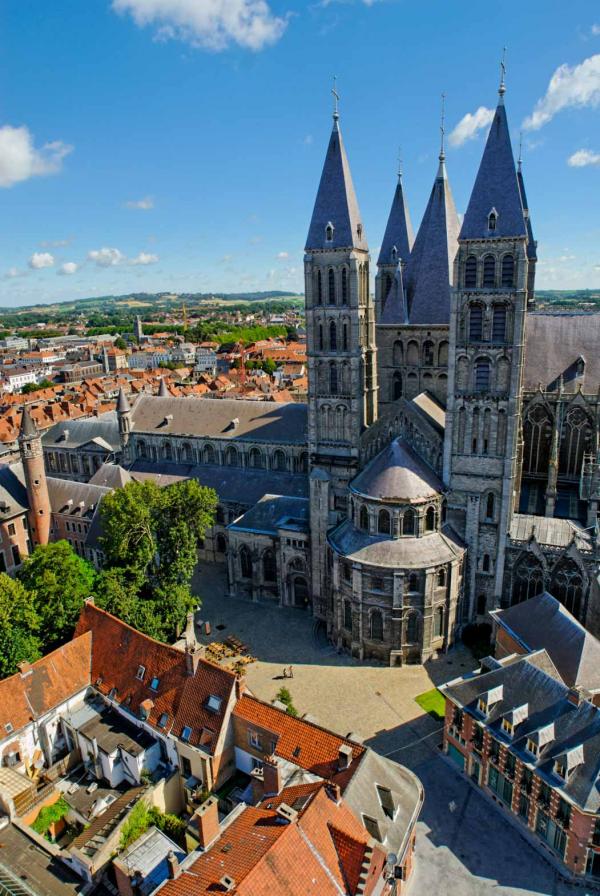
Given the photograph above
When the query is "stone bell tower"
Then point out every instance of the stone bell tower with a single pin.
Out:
(32, 457)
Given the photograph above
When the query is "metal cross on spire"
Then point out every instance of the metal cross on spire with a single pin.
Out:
(502, 88)
(520, 159)
(336, 99)
(443, 128)
(399, 163)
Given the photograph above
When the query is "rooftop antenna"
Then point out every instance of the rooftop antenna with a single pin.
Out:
(336, 99)
(502, 88)
(443, 128)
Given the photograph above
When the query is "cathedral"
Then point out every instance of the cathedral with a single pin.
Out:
(447, 461)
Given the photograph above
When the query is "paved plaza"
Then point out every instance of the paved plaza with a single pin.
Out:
(464, 846)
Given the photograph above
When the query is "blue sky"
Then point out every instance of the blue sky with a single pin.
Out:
(177, 144)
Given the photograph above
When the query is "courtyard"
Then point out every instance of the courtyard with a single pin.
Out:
(462, 841)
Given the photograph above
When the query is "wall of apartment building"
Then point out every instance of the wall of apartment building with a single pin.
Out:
(15, 542)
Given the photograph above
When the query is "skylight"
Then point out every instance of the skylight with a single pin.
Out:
(214, 703)
(185, 734)
(154, 684)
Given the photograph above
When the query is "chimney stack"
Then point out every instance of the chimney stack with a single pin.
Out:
(206, 818)
(173, 866)
(344, 757)
(272, 778)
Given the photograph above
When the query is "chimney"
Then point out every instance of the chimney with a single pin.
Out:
(258, 785)
(334, 791)
(344, 757)
(193, 655)
(24, 668)
(227, 882)
(206, 817)
(240, 687)
(173, 866)
(573, 695)
(272, 778)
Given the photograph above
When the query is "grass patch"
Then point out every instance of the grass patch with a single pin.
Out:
(433, 703)
(48, 815)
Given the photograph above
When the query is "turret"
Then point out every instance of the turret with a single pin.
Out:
(124, 420)
(395, 249)
(32, 457)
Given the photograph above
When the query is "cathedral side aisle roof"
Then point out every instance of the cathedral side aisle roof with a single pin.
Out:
(554, 342)
(397, 474)
(274, 512)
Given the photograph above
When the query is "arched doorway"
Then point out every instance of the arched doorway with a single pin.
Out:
(300, 592)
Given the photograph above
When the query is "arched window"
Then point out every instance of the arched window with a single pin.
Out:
(329, 233)
(567, 586)
(537, 433)
(489, 272)
(221, 544)
(412, 354)
(485, 563)
(344, 286)
(363, 519)
(475, 323)
(413, 582)
(331, 286)
(430, 519)
(438, 622)
(383, 523)
(333, 379)
(348, 615)
(319, 288)
(471, 272)
(320, 337)
(256, 459)
(443, 354)
(245, 562)
(428, 360)
(475, 430)
(269, 566)
(412, 628)
(142, 448)
(501, 434)
(441, 578)
(231, 457)
(396, 386)
(490, 506)
(397, 354)
(186, 453)
(528, 579)
(208, 454)
(481, 604)
(499, 323)
(332, 336)
(302, 463)
(408, 522)
(575, 441)
(482, 375)
(508, 270)
(345, 337)
(376, 625)
(168, 451)
(279, 461)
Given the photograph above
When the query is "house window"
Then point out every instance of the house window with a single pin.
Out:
(140, 673)
(371, 826)
(2, 562)
(549, 831)
(532, 747)
(507, 727)
(186, 767)
(16, 554)
(162, 721)
(214, 703)
(254, 740)
(154, 684)
(11, 529)
(500, 785)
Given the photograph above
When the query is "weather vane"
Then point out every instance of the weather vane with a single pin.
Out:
(399, 161)
(336, 97)
(442, 127)
(502, 72)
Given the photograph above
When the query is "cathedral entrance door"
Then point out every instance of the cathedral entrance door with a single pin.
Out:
(300, 588)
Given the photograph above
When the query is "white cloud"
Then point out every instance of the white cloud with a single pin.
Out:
(144, 258)
(283, 255)
(106, 257)
(569, 87)
(212, 24)
(14, 272)
(470, 125)
(596, 30)
(20, 160)
(144, 204)
(68, 268)
(583, 157)
(41, 260)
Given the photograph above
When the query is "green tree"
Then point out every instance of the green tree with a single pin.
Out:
(269, 366)
(33, 387)
(19, 624)
(128, 526)
(60, 581)
(284, 696)
(120, 343)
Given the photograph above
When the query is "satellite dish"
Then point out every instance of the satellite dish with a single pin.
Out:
(392, 858)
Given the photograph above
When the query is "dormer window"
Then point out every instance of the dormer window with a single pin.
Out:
(329, 233)
(492, 219)
(580, 366)
(560, 767)
(482, 706)
(185, 734)
(532, 747)
(507, 727)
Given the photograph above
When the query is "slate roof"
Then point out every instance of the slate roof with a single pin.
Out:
(430, 269)
(336, 202)
(84, 497)
(394, 310)
(428, 405)
(399, 230)
(496, 187)
(13, 494)
(301, 742)
(257, 421)
(397, 474)
(543, 623)
(531, 243)
(148, 855)
(111, 476)
(550, 530)
(122, 403)
(391, 553)
(274, 512)
(534, 681)
(554, 342)
(76, 433)
(28, 427)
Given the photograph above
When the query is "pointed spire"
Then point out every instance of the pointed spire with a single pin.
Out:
(163, 392)
(122, 403)
(399, 233)
(496, 185)
(336, 213)
(394, 310)
(28, 428)
(431, 265)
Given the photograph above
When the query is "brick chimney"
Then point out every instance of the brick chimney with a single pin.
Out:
(272, 778)
(173, 867)
(206, 818)
(258, 785)
(344, 757)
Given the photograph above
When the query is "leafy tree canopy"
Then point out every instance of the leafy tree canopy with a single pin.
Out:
(19, 625)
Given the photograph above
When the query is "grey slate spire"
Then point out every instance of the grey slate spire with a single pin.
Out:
(122, 403)
(398, 232)
(430, 267)
(336, 201)
(394, 310)
(496, 186)
(28, 428)
(163, 392)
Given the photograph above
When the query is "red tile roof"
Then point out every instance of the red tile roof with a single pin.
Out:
(307, 745)
(179, 701)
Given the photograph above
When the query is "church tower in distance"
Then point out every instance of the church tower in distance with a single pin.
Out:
(340, 325)
(32, 456)
(489, 307)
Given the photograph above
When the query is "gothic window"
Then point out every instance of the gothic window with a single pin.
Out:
(397, 354)
(321, 337)
(485, 563)
(492, 220)
(428, 353)
(319, 288)
(443, 354)
(142, 448)
(501, 432)
(482, 375)
(279, 461)
(441, 578)
(332, 336)
(490, 506)
(269, 566)
(567, 587)
(397, 386)
(383, 522)
(245, 562)
(340, 423)
(508, 271)
(345, 337)
(256, 459)
(487, 426)
(430, 519)
(575, 441)
(333, 379)
(537, 432)
(363, 519)
(438, 623)
(329, 232)
(331, 286)
(475, 431)
(528, 579)
(471, 272)
(347, 615)
(475, 323)
(408, 522)
(231, 457)
(344, 286)
(325, 412)
(489, 272)
(499, 323)
(302, 463)
(480, 604)
(412, 354)
(412, 628)
(186, 453)
(462, 373)
(208, 454)
(377, 625)
(221, 544)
